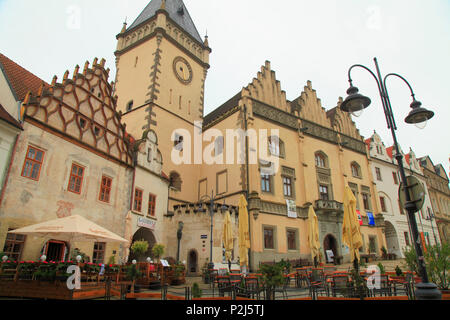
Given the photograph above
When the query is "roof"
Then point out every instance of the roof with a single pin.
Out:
(390, 151)
(4, 115)
(20, 79)
(177, 12)
(227, 106)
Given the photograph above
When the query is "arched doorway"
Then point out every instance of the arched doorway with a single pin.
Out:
(146, 235)
(192, 262)
(391, 239)
(330, 243)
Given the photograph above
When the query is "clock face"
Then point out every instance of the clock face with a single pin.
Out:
(182, 70)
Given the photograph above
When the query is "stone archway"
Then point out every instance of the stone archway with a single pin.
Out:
(392, 239)
(330, 243)
(143, 234)
(192, 262)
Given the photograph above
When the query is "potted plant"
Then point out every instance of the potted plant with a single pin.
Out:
(437, 259)
(26, 270)
(158, 251)
(196, 291)
(398, 271)
(139, 248)
(178, 274)
(381, 267)
(272, 277)
(133, 274)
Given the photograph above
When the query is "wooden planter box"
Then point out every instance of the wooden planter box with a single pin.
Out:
(49, 290)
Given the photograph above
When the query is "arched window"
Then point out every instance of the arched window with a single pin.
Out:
(175, 181)
(321, 160)
(356, 170)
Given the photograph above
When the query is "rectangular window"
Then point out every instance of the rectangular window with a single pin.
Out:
(218, 146)
(406, 238)
(265, 183)
(105, 189)
(76, 178)
(268, 238)
(33, 163)
(365, 197)
(99, 252)
(287, 186)
(13, 246)
(324, 192)
(291, 239)
(378, 172)
(394, 175)
(138, 200)
(151, 205)
(383, 204)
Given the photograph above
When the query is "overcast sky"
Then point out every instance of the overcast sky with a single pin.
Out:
(304, 40)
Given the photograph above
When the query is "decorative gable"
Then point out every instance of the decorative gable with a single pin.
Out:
(147, 152)
(267, 89)
(342, 122)
(82, 108)
(310, 107)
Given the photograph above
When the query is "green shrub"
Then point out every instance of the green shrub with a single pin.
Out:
(139, 248)
(381, 267)
(158, 250)
(437, 259)
(411, 259)
(398, 271)
(196, 291)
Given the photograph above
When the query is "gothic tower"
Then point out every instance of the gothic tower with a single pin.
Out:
(162, 63)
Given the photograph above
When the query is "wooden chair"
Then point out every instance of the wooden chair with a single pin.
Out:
(253, 287)
(235, 279)
(317, 282)
(224, 285)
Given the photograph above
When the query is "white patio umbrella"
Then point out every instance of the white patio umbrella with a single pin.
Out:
(72, 229)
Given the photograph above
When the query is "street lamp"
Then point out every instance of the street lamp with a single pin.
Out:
(355, 103)
(179, 235)
(224, 208)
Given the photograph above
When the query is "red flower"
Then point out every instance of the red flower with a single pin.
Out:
(110, 265)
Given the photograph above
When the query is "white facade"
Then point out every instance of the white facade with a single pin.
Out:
(387, 180)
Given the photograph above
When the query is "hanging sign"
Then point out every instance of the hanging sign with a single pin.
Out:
(359, 217)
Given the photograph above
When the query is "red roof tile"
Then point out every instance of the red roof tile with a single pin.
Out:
(20, 79)
(4, 115)
(389, 151)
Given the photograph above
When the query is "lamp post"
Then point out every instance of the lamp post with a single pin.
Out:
(211, 199)
(355, 103)
(179, 235)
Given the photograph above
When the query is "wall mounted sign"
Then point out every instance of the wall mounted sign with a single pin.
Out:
(204, 236)
(146, 223)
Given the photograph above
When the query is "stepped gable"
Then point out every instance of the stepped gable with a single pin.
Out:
(342, 122)
(267, 89)
(309, 107)
(20, 80)
(83, 108)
